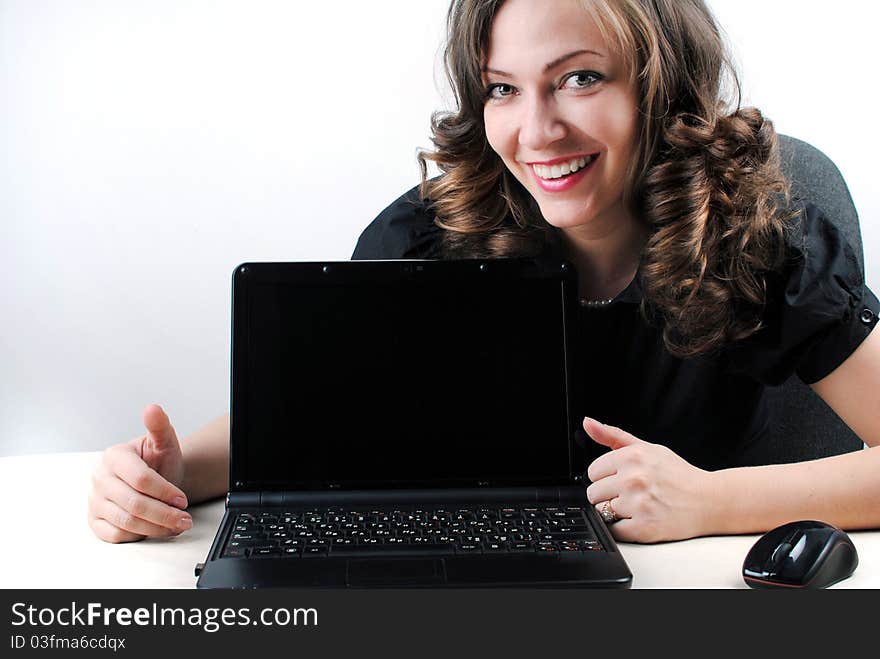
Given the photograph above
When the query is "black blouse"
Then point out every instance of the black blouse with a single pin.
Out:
(707, 409)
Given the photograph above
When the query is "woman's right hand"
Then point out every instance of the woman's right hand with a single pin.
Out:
(136, 490)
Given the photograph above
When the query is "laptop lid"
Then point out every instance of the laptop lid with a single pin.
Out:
(403, 374)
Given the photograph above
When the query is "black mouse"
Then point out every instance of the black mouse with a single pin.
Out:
(805, 554)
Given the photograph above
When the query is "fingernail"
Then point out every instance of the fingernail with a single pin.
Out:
(178, 502)
(185, 523)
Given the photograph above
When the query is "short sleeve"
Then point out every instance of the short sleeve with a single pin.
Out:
(818, 309)
(404, 230)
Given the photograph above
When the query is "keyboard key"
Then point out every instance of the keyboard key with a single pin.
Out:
(422, 540)
(556, 537)
(589, 545)
(522, 547)
(468, 548)
(248, 537)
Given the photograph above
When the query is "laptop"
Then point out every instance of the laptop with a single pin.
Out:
(407, 424)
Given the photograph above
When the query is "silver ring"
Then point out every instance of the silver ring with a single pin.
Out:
(607, 513)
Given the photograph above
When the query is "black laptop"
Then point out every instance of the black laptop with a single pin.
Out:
(407, 424)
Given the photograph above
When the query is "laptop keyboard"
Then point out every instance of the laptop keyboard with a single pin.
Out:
(428, 531)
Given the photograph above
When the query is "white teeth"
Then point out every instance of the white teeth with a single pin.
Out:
(558, 171)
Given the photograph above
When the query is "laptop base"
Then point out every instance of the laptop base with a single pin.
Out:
(558, 571)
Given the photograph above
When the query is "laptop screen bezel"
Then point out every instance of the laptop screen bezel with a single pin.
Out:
(246, 275)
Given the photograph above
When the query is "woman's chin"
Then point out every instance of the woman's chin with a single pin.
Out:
(565, 220)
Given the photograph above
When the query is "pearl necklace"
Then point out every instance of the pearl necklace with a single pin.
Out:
(596, 303)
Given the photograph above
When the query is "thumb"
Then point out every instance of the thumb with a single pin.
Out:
(160, 433)
(613, 438)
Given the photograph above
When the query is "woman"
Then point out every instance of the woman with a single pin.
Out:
(595, 130)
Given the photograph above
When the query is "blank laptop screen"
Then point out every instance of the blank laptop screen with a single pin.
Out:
(410, 383)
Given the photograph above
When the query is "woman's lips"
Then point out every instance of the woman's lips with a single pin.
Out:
(566, 182)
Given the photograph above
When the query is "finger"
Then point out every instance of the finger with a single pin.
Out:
(605, 465)
(604, 489)
(619, 508)
(160, 432)
(128, 466)
(146, 508)
(122, 519)
(109, 533)
(613, 438)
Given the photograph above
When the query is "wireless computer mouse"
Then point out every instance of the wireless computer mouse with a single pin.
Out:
(804, 554)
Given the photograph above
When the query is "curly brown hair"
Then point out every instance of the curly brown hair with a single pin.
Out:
(705, 179)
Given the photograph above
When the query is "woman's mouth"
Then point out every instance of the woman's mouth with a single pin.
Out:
(562, 176)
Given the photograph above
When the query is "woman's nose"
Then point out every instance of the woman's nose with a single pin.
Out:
(540, 125)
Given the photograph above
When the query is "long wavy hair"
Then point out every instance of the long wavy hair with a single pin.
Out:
(705, 179)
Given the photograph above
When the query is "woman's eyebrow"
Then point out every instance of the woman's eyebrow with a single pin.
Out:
(551, 65)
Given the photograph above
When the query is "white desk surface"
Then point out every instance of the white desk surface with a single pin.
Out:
(48, 543)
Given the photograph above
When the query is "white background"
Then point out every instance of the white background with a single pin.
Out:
(147, 147)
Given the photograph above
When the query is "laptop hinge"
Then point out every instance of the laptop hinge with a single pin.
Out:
(243, 500)
(550, 495)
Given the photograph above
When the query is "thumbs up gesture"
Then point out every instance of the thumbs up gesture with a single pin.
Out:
(136, 489)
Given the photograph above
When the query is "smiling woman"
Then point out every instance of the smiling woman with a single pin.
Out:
(627, 97)
(611, 134)
(579, 109)
(600, 132)
(562, 115)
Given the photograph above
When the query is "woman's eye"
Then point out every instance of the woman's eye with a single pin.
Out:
(581, 79)
(499, 90)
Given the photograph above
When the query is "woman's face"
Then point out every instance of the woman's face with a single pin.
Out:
(560, 111)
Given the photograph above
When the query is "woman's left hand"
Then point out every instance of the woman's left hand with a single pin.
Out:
(655, 493)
